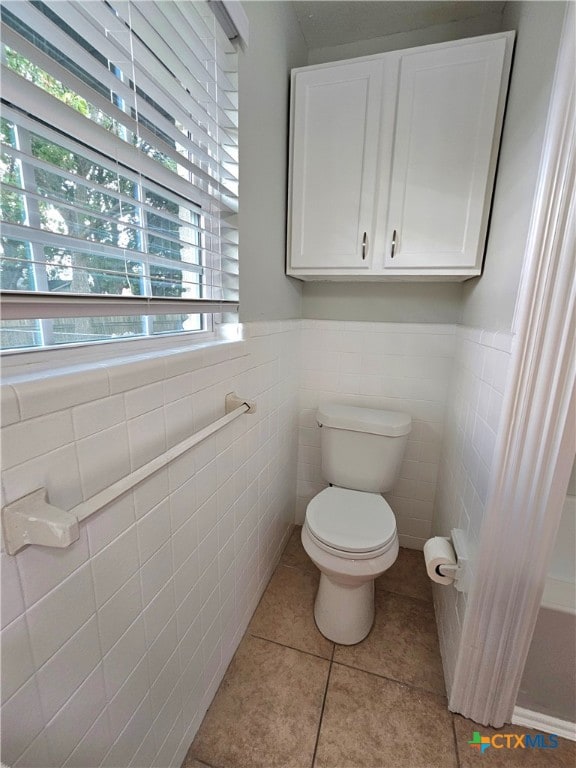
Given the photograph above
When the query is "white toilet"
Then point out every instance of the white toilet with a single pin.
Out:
(350, 530)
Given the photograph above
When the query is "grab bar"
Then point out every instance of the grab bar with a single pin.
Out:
(33, 520)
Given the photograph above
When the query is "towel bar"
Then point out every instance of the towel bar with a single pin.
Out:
(31, 519)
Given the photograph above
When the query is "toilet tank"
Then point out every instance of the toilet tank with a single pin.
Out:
(362, 448)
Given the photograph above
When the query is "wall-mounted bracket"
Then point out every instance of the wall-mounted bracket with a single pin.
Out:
(461, 571)
(233, 402)
(32, 520)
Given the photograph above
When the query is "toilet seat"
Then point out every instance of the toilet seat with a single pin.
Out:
(351, 524)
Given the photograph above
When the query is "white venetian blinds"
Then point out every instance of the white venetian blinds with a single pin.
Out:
(119, 160)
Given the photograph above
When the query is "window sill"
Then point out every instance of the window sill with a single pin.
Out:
(37, 383)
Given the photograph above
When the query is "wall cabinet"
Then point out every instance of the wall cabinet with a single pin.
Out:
(392, 162)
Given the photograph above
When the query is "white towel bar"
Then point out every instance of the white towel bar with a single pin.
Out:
(33, 520)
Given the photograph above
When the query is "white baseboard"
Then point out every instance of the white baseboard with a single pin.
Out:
(544, 723)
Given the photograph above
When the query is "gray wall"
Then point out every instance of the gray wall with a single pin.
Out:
(392, 302)
(276, 46)
(439, 33)
(489, 301)
(383, 302)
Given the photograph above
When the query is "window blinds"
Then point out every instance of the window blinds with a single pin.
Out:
(119, 159)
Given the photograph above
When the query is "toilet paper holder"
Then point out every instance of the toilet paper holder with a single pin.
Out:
(460, 572)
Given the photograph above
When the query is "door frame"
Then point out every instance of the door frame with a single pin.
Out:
(537, 433)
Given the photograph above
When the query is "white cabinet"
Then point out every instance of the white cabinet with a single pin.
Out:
(393, 159)
(336, 118)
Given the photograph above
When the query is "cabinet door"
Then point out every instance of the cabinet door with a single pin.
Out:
(444, 155)
(334, 158)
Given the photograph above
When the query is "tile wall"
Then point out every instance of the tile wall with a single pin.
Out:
(481, 363)
(400, 366)
(114, 647)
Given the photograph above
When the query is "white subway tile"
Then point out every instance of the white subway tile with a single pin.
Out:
(206, 482)
(419, 529)
(99, 465)
(208, 550)
(165, 682)
(22, 721)
(118, 613)
(107, 524)
(156, 572)
(144, 399)
(153, 530)
(147, 750)
(137, 373)
(184, 541)
(252, 464)
(9, 406)
(127, 700)
(162, 648)
(501, 361)
(43, 568)
(35, 437)
(181, 470)
(159, 613)
(64, 672)
(113, 566)
(97, 416)
(12, 603)
(48, 393)
(38, 755)
(151, 492)
(169, 714)
(56, 471)
(188, 612)
(57, 616)
(122, 659)
(146, 437)
(128, 742)
(17, 663)
(226, 497)
(179, 417)
(183, 504)
(91, 750)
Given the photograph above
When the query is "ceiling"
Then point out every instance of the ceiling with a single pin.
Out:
(326, 23)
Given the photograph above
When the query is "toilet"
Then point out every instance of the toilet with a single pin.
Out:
(350, 531)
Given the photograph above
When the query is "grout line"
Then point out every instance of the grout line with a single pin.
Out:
(292, 647)
(426, 601)
(321, 715)
(394, 680)
(456, 751)
(297, 567)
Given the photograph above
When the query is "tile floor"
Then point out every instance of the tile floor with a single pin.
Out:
(292, 699)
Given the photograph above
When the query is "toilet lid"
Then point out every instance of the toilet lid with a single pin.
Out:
(351, 521)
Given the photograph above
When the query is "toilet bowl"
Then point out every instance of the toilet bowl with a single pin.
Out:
(349, 531)
(351, 537)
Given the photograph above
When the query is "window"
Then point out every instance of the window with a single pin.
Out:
(119, 171)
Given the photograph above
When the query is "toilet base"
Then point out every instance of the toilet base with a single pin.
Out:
(344, 613)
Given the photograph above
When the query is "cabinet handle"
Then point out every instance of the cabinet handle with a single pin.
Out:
(364, 247)
(393, 244)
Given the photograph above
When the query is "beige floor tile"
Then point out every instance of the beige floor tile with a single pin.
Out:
(266, 711)
(407, 576)
(563, 756)
(369, 722)
(294, 554)
(286, 612)
(403, 644)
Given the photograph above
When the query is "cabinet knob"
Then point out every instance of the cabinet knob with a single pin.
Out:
(393, 244)
(364, 246)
